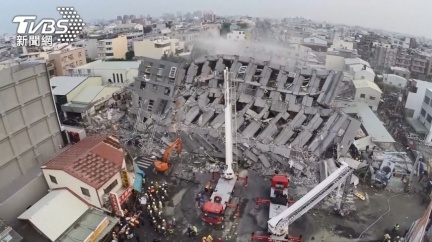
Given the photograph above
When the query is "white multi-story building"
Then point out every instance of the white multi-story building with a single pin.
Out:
(367, 92)
(425, 116)
(414, 99)
(114, 47)
(395, 80)
(156, 47)
(236, 35)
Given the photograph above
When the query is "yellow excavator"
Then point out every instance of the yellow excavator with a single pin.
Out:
(164, 164)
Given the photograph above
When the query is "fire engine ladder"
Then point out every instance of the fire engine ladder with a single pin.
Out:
(313, 197)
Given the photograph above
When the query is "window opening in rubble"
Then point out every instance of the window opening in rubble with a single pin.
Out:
(256, 109)
(155, 87)
(211, 99)
(167, 91)
(195, 120)
(250, 89)
(162, 106)
(212, 65)
(150, 105)
(244, 125)
(272, 83)
(145, 119)
(213, 118)
(258, 132)
(143, 85)
(240, 106)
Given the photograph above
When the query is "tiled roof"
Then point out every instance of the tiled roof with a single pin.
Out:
(93, 160)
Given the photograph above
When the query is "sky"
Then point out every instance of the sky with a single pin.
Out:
(403, 16)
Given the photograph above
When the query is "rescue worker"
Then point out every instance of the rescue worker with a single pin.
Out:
(195, 231)
(209, 238)
(189, 231)
(160, 205)
(204, 239)
(396, 228)
(156, 186)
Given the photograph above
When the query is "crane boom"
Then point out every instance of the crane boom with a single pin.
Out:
(229, 172)
(279, 225)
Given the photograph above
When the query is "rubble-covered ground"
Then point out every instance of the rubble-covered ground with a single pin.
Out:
(286, 123)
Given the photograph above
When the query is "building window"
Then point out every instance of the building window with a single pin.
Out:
(114, 78)
(155, 87)
(108, 43)
(150, 105)
(118, 79)
(111, 186)
(143, 85)
(371, 98)
(167, 91)
(85, 191)
(423, 112)
(362, 95)
(121, 78)
(426, 100)
(429, 118)
(53, 179)
(109, 54)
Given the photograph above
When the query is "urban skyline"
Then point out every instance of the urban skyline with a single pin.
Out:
(399, 16)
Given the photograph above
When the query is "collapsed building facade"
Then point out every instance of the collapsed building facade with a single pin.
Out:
(281, 116)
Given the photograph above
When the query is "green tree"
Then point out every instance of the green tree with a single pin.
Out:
(130, 55)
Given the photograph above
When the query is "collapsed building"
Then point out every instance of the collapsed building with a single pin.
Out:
(280, 116)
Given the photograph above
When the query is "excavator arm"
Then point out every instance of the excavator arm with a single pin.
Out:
(163, 165)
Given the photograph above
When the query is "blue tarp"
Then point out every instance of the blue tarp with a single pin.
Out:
(139, 175)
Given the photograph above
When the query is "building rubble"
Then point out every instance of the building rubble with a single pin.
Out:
(283, 119)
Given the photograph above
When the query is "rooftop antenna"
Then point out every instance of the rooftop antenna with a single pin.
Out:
(229, 172)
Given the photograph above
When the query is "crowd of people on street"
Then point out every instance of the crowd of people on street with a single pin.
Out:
(147, 207)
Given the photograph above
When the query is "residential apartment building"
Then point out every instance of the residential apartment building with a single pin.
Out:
(236, 35)
(414, 96)
(93, 169)
(425, 116)
(156, 47)
(367, 92)
(90, 46)
(68, 57)
(155, 87)
(124, 28)
(383, 57)
(400, 71)
(419, 65)
(30, 134)
(416, 62)
(315, 43)
(112, 47)
(113, 73)
(395, 80)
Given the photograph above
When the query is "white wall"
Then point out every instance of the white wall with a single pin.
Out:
(425, 116)
(342, 44)
(66, 180)
(364, 75)
(414, 100)
(334, 62)
(395, 80)
(115, 189)
(236, 36)
(368, 93)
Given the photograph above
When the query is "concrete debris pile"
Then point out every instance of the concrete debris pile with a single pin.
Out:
(282, 119)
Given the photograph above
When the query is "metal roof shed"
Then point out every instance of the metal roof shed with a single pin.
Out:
(55, 213)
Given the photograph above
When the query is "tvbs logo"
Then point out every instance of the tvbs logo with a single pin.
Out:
(66, 29)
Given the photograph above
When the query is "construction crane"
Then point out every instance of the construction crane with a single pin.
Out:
(279, 221)
(163, 165)
(221, 199)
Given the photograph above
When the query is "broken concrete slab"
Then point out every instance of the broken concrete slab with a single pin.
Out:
(264, 161)
(191, 115)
